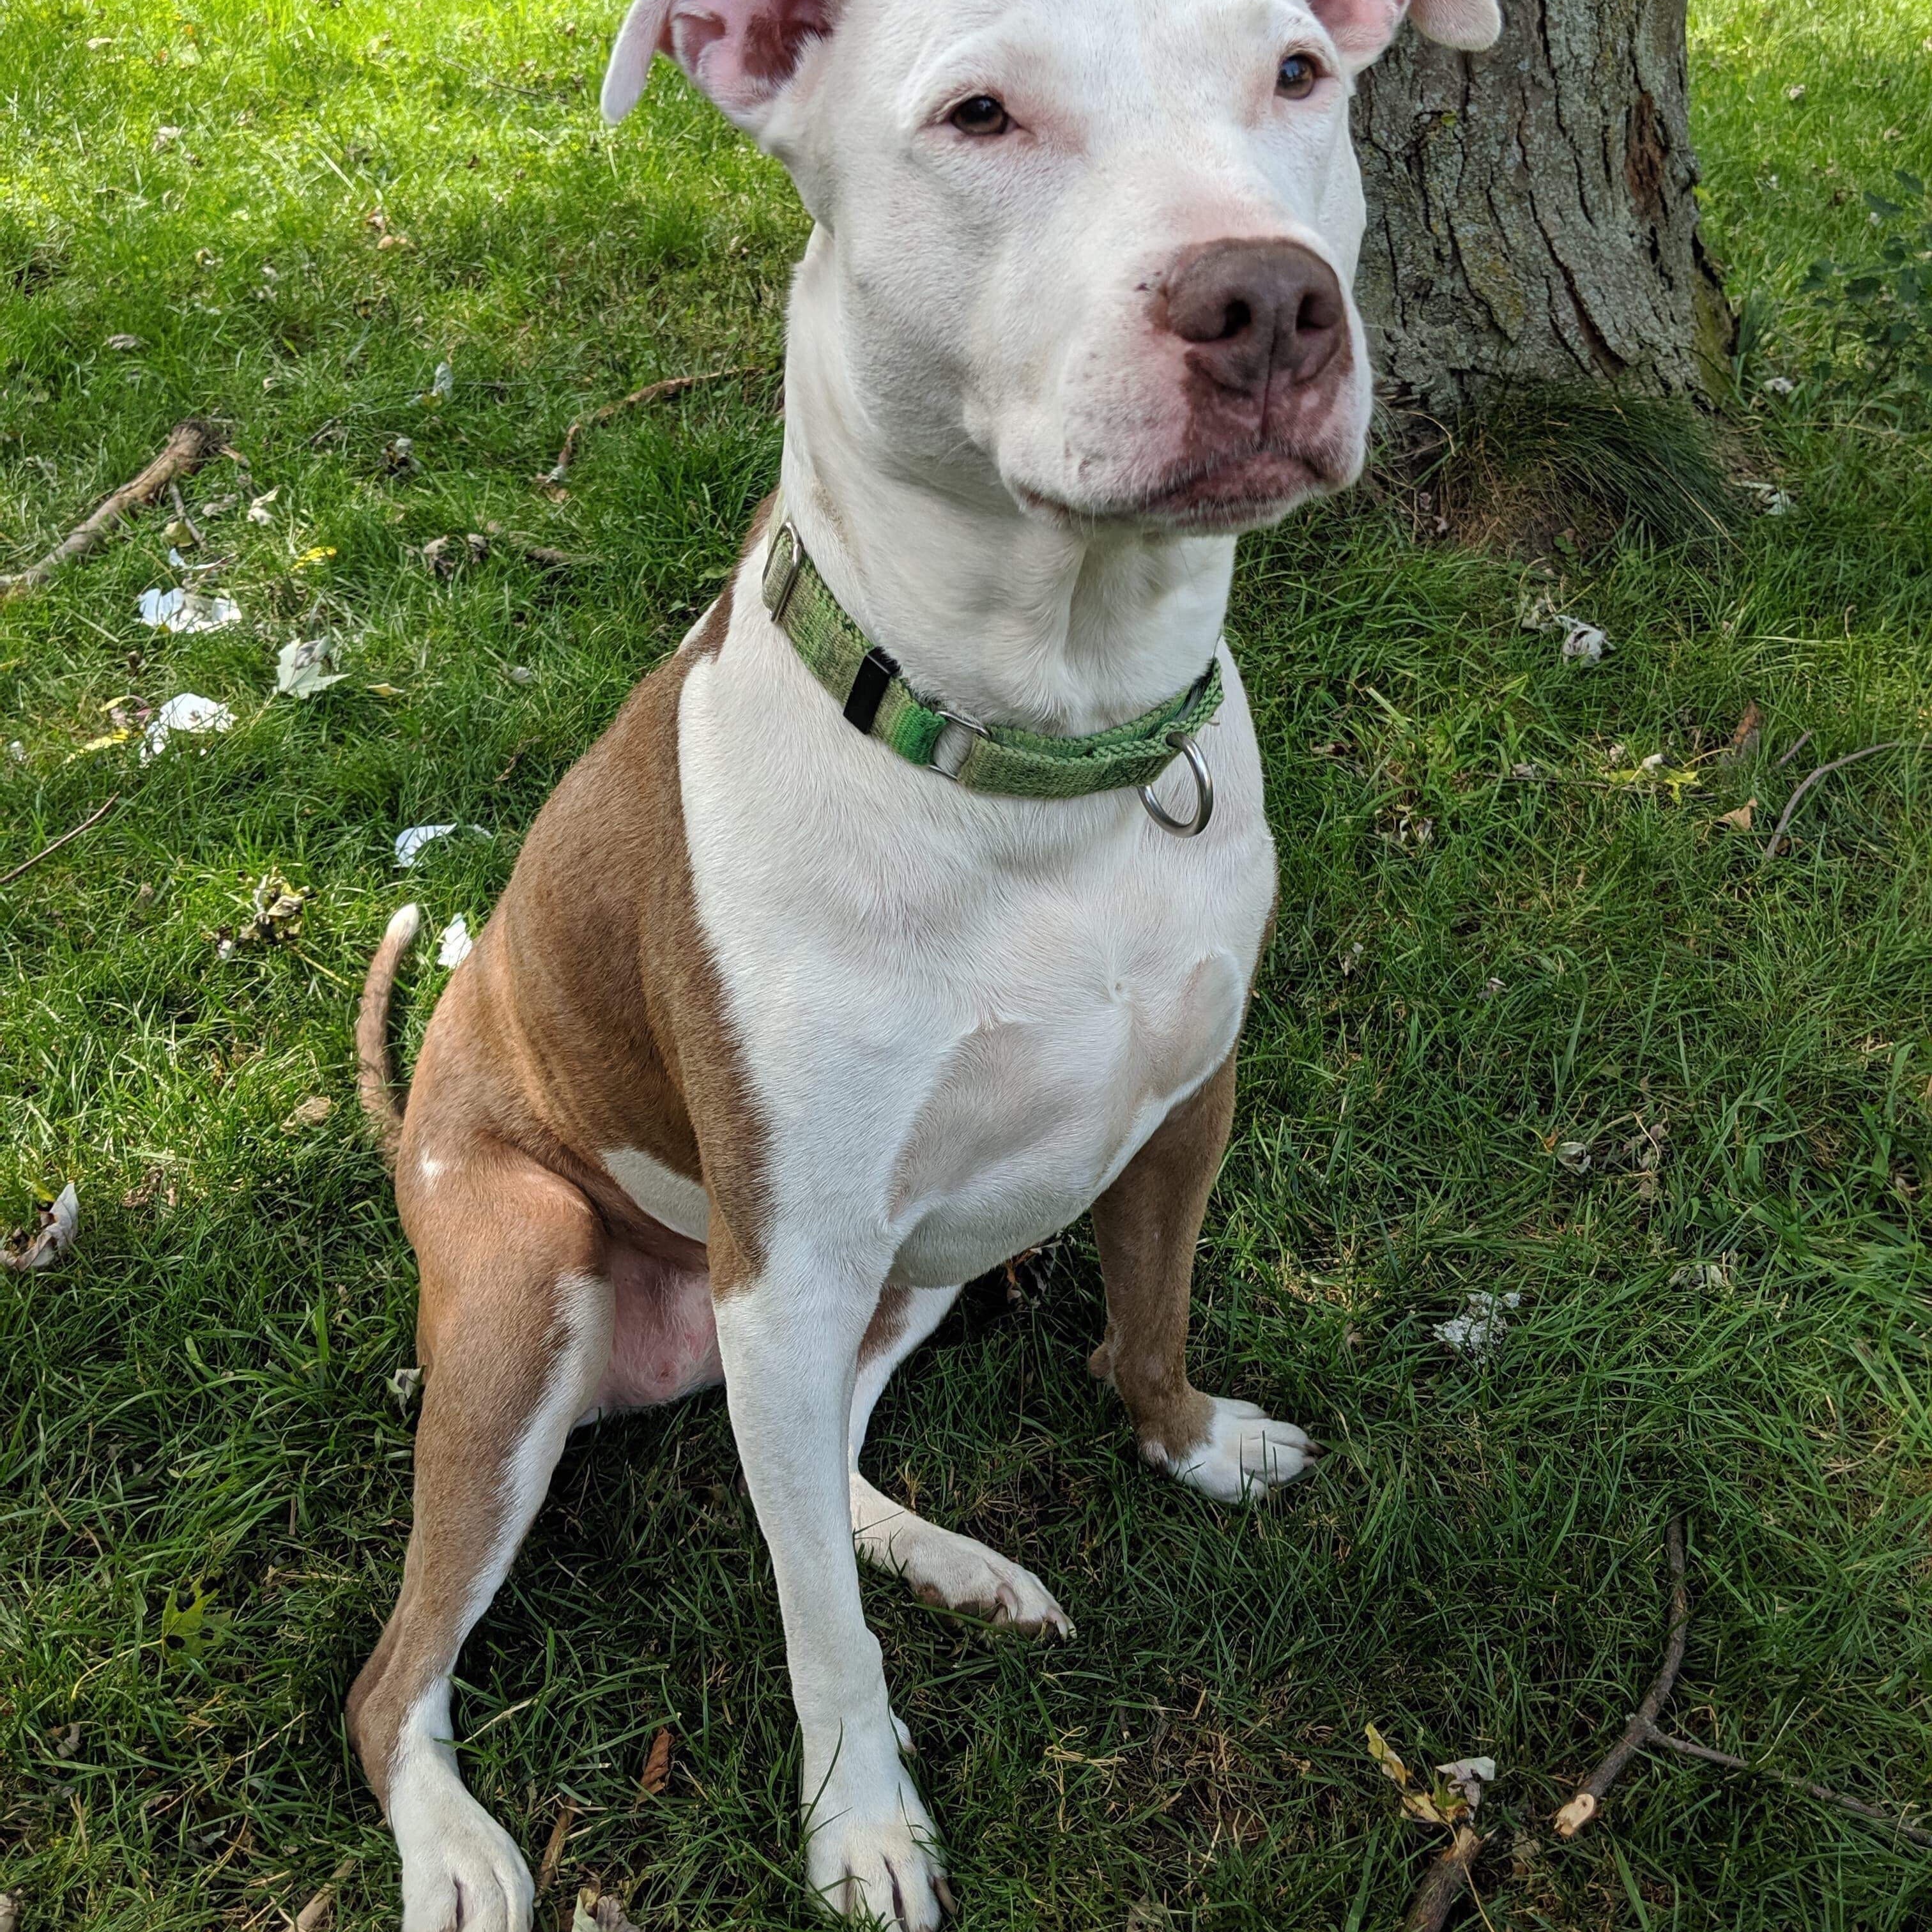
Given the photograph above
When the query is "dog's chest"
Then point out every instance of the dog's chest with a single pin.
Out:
(957, 1045)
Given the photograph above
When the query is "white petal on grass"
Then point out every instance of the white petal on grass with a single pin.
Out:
(188, 611)
(55, 1236)
(410, 844)
(259, 511)
(1477, 1332)
(186, 713)
(453, 942)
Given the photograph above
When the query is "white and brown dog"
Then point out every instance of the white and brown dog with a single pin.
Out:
(777, 1036)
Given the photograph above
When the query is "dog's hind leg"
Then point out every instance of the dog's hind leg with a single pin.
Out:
(514, 1334)
(1147, 1226)
(941, 1566)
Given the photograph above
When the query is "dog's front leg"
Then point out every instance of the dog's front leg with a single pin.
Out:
(789, 1332)
(1147, 1226)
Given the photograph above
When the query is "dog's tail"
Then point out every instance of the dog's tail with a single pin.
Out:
(375, 1073)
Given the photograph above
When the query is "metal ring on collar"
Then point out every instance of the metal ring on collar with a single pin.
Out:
(1183, 742)
(778, 601)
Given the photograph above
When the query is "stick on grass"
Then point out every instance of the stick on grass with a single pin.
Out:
(191, 445)
(94, 818)
(652, 392)
(1823, 772)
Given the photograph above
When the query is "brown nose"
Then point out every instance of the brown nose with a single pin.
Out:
(1256, 310)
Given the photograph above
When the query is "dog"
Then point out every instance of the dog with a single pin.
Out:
(911, 910)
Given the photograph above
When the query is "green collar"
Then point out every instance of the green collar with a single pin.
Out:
(867, 684)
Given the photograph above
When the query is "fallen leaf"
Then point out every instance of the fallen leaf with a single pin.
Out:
(403, 1385)
(1703, 1274)
(1740, 819)
(1574, 1156)
(311, 1113)
(188, 611)
(29, 1249)
(277, 909)
(596, 1913)
(446, 555)
(126, 344)
(259, 511)
(657, 1768)
(68, 1742)
(553, 1850)
(455, 943)
(399, 456)
(321, 1908)
(10, 1905)
(1745, 739)
(384, 690)
(1778, 385)
(190, 1629)
(1148, 1915)
(442, 385)
(304, 669)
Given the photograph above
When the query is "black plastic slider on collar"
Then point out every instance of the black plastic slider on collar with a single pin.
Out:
(870, 683)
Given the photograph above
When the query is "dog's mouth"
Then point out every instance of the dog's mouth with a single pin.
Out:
(1223, 497)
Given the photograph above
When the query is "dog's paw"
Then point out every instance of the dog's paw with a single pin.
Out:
(461, 1871)
(875, 1857)
(1244, 1454)
(944, 1567)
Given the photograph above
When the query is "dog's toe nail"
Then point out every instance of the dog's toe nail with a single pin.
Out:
(943, 1893)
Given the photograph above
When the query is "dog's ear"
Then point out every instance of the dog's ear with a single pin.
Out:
(742, 53)
(1361, 28)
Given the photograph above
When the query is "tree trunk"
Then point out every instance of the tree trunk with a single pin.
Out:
(1532, 211)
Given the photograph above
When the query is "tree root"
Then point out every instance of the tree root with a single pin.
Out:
(190, 446)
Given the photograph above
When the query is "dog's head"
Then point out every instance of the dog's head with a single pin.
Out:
(1101, 248)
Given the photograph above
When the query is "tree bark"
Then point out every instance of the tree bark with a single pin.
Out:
(1532, 216)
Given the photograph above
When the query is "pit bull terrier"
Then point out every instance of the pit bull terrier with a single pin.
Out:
(910, 910)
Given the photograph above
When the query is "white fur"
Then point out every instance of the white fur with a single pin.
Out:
(681, 1204)
(1246, 1452)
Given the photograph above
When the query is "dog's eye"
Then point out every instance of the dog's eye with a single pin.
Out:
(1296, 79)
(982, 115)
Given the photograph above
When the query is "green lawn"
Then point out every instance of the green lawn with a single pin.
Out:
(1724, 1313)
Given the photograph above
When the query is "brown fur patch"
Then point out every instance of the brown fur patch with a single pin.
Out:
(1146, 1226)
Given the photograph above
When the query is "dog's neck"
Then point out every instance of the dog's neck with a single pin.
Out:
(1005, 617)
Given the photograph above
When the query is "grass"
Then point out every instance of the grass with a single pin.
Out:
(1724, 1313)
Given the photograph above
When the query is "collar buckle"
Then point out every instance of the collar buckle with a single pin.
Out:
(777, 602)
(966, 725)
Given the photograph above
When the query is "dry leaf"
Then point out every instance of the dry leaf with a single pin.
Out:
(553, 1850)
(657, 1768)
(410, 842)
(259, 511)
(1477, 1332)
(126, 344)
(1467, 1775)
(310, 1114)
(29, 1250)
(403, 1385)
(1740, 819)
(318, 1911)
(304, 668)
(599, 1914)
(10, 1905)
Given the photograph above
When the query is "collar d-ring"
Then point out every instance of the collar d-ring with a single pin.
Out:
(1183, 742)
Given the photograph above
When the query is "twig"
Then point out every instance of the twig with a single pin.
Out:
(1794, 751)
(552, 1857)
(1642, 1733)
(191, 445)
(181, 511)
(1823, 1793)
(1825, 771)
(1442, 1884)
(1582, 1808)
(315, 1913)
(93, 817)
(653, 392)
